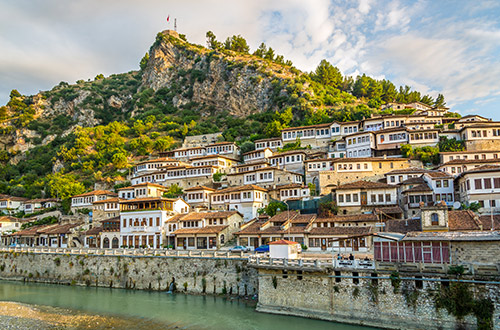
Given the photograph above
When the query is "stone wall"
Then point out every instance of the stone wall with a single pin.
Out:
(368, 302)
(480, 252)
(209, 275)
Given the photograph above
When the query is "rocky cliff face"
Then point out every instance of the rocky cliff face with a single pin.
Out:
(238, 83)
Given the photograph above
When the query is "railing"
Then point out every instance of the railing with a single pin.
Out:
(128, 252)
(310, 263)
(320, 264)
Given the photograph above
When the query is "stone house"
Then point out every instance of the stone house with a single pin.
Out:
(206, 230)
(86, 200)
(354, 169)
(364, 196)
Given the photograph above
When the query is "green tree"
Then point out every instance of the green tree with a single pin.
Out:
(64, 186)
(212, 42)
(269, 54)
(164, 143)
(14, 93)
(247, 146)
(239, 44)
(173, 191)
(100, 76)
(439, 101)
(273, 208)
(120, 160)
(144, 61)
(273, 129)
(427, 99)
(327, 74)
(261, 51)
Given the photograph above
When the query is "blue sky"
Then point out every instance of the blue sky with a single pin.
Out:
(449, 47)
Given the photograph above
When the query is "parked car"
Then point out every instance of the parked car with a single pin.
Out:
(239, 248)
(262, 249)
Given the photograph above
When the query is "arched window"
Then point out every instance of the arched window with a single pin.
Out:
(114, 243)
(434, 219)
(105, 243)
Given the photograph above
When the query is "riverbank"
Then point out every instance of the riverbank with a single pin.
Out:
(18, 316)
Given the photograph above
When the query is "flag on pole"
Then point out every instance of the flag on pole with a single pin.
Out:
(168, 18)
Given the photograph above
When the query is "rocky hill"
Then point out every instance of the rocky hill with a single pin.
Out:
(93, 131)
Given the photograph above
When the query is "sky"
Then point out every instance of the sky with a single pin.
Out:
(448, 47)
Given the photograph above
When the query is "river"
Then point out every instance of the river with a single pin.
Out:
(70, 307)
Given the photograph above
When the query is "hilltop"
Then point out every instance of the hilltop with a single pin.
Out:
(63, 141)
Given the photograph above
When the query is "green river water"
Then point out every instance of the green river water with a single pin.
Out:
(142, 309)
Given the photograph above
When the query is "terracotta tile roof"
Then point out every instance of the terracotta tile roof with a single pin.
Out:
(32, 231)
(463, 220)
(419, 188)
(242, 188)
(43, 200)
(362, 184)
(486, 222)
(283, 242)
(255, 151)
(175, 218)
(284, 215)
(303, 218)
(471, 161)
(199, 188)
(94, 231)
(341, 231)
(403, 226)
(414, 180)
(388, 210)
(147, 199)
(58, 229)
(368, 159)
(289, 185)
(7, 218)
(145, 184)
(208, 215)
(204, 230)
(219, 143)
(265, 140)
(290, 152)
(438, 174)
(348, 218)
(13, 198)
(469, 152)
(96, 193)
(411, 170)
(212, 156)
(109, 200)
(306, 127)
(162, 159)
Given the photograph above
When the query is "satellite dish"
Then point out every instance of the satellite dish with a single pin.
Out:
(456, 205)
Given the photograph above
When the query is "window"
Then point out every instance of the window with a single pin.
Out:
(381, 198)
(434, 219)
(487, 183)
(477, 184)
(387, 197)
(348, 198)
(355, 198)
(446, 183)
(496, 182)
(341, 198)
(438, 183)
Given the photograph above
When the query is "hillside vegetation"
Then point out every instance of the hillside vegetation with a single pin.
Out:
(60, 142)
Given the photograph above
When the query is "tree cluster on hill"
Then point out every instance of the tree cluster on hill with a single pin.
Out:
(148, 121)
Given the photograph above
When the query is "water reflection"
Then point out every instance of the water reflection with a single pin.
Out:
(151, 310)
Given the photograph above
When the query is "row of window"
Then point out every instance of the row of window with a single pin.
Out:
(141, 222)
(354, 198)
